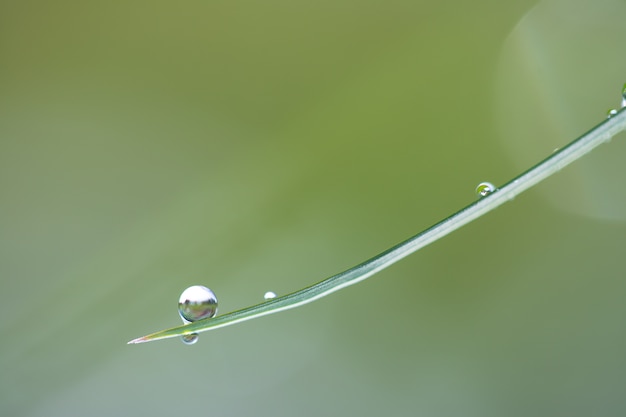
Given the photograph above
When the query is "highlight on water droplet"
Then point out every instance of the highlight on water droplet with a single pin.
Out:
(611, 113)
(269, 295)
(624, 96)
(196, 303)
(485, 188)
(189, 339)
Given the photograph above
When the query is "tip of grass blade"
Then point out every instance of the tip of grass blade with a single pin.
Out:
(151, 337)
(138, 340)
(163, 334)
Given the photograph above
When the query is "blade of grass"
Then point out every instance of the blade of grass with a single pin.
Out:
(602, 133)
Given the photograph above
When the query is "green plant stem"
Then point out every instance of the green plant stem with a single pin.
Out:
(600, 134)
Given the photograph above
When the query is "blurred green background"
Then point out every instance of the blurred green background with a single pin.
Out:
(254, 146)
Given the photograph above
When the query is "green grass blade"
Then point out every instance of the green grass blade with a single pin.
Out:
(600, 134)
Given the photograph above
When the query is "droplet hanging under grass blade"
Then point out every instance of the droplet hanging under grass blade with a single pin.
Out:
(189, 339)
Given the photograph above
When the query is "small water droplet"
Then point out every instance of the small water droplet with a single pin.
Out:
(196, 303)
(189, 339)
(485, 188)
(269, 295)
(611, 113)
(624, 96)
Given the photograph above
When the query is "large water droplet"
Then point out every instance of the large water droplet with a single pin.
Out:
(197, 303)
(485, 188)
(269, 295)
(611, 113)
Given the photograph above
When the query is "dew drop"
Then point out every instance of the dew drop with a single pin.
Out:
(624, 96)
(611, 113)
(485, 188)
(196, 303)
(189, 339)
(269, 295)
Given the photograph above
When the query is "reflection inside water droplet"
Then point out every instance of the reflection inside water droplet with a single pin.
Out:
(485, 188)
(196, 303)
(269, 295)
